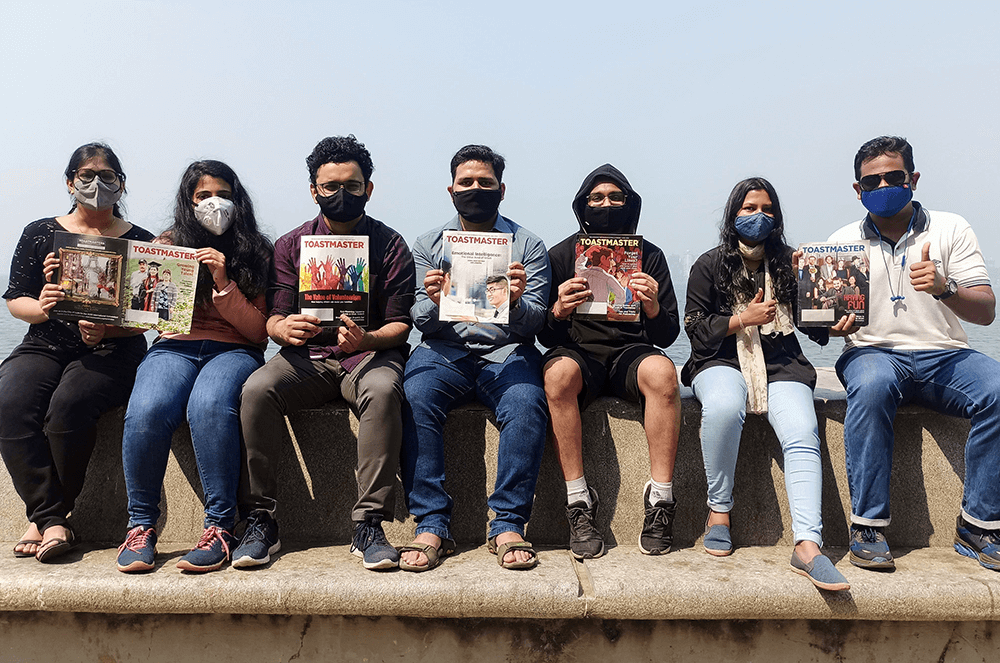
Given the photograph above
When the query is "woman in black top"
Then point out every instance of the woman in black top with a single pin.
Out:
(64, 375)
(739, 315)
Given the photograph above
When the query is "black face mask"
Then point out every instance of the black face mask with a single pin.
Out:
(477, 205)
(608, 219)
(342, 206)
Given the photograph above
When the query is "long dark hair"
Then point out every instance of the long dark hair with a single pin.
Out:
(248, 252)
(89, 151)
(732, 278)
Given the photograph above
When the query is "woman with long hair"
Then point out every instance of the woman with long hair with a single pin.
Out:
(201, 372)
(740, 313)
(64, 375)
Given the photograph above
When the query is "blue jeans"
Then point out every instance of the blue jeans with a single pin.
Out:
(205, 378)
(513, 390)
(960, 383)
(722, 392)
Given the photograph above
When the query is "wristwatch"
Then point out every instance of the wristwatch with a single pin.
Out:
(950, 288)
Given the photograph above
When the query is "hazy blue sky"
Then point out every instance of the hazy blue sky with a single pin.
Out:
(686, 101)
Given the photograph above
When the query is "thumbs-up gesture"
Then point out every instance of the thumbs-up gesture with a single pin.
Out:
(759, 312)
(924, 276)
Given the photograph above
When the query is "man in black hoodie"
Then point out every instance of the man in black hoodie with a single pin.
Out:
(590, 357)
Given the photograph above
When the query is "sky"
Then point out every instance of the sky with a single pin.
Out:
(685, 98)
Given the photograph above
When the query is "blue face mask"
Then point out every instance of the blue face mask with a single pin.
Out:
(887, 201)
(754, 227)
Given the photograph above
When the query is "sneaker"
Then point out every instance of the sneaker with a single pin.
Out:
(137, 553)
(211, 552)
(585, 542)
(259, 542)
(980, 544)
(658, 525)
(371, 545)
(869, 549)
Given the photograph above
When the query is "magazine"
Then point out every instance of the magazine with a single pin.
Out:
(334, 278)
(833, 282)
(475, 288)
(126, 283)
(607, 262)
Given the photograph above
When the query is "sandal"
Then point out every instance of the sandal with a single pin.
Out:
(434, 555)
(26, 542)
(54, 548)
(504, 548)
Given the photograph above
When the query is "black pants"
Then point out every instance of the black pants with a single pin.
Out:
(50, 401)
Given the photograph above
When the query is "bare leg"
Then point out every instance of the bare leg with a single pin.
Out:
(657, 380)
(563, 383)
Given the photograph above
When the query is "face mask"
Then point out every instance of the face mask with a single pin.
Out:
(754, 227)
(342, 206)
(477, 205)
(605, 219)
(96, 194)
(215, 214)
(887, 201)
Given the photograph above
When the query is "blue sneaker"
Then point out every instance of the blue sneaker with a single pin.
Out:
(259, 542)
(869, 549)
(982, 545)
(821, 572)
(371, 545)
(137, 553)
(211, 552)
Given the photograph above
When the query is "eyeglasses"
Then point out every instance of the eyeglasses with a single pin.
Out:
(490, 289)
(597, 198)
(353, 187)
(107, 176)
(892, 178)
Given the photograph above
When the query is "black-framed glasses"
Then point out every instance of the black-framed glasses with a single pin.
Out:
(892, 178)
(107, 176)
(490, 289)
(353, 187)
(597, 198)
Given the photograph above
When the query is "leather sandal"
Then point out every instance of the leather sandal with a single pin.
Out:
(504, 548)
(54, 548)
(434, 555)
(26, 542)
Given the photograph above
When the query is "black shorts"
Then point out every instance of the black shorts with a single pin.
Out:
(607, 371)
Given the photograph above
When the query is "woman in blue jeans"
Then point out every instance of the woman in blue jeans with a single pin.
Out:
(202, 371)
(740, 313)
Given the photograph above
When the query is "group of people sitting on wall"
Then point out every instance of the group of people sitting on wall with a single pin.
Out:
(926, 275)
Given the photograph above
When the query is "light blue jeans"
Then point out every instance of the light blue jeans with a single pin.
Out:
(722, 392)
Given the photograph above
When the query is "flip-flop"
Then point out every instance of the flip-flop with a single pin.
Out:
(25, 542)
(504, 548)
(54, 548)
(434, 555)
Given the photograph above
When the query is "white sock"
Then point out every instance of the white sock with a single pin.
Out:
(577, 491)
(660, 492)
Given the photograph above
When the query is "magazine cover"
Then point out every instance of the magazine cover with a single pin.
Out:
(334, 278)
(833, 282)
(125, 283)
(475, 285)
(607, 262)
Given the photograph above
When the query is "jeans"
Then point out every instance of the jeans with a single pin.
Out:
(960, 383)
(204, 378)
(513, 390)
(722, 392)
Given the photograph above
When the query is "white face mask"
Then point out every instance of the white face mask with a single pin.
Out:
(96, 194)
(215, 214)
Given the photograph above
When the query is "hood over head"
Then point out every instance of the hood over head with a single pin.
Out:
(633, 202)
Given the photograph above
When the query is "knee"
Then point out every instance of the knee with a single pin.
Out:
(72, 411)
(724, 407)
(257, 391)
(657, 379)
(383, 394)
(523, 403)
(563, 380)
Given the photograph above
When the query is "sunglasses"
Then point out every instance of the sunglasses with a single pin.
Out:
(892, 178)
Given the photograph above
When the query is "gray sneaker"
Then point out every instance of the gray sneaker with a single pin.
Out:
(371, 545)
(585, 542)
(657, 526)
(259, 542)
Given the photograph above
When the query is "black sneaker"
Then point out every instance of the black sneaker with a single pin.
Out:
(585, 542)
(982, 545)
(259, 542)
(658, 525)
(371, 545)
(869, 549)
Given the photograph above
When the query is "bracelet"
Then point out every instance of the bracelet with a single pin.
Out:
(739, 316)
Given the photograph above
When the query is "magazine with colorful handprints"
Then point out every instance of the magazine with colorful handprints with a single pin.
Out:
(126, 283)
(334, 278)
(608, 262)
(833, 282)
(476, 287)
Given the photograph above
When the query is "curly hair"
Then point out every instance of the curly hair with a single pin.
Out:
(340, 149)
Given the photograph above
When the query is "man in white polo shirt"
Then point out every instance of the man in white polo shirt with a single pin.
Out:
(926, 275)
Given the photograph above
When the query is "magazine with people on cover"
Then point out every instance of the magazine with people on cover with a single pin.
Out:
(334, 278)
(608, 262)
(125, 282)
(833, 282)
(476, 287)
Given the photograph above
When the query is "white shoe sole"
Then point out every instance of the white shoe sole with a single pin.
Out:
(246, 561)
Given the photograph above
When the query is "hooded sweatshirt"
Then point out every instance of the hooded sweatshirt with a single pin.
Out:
(660, 331)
